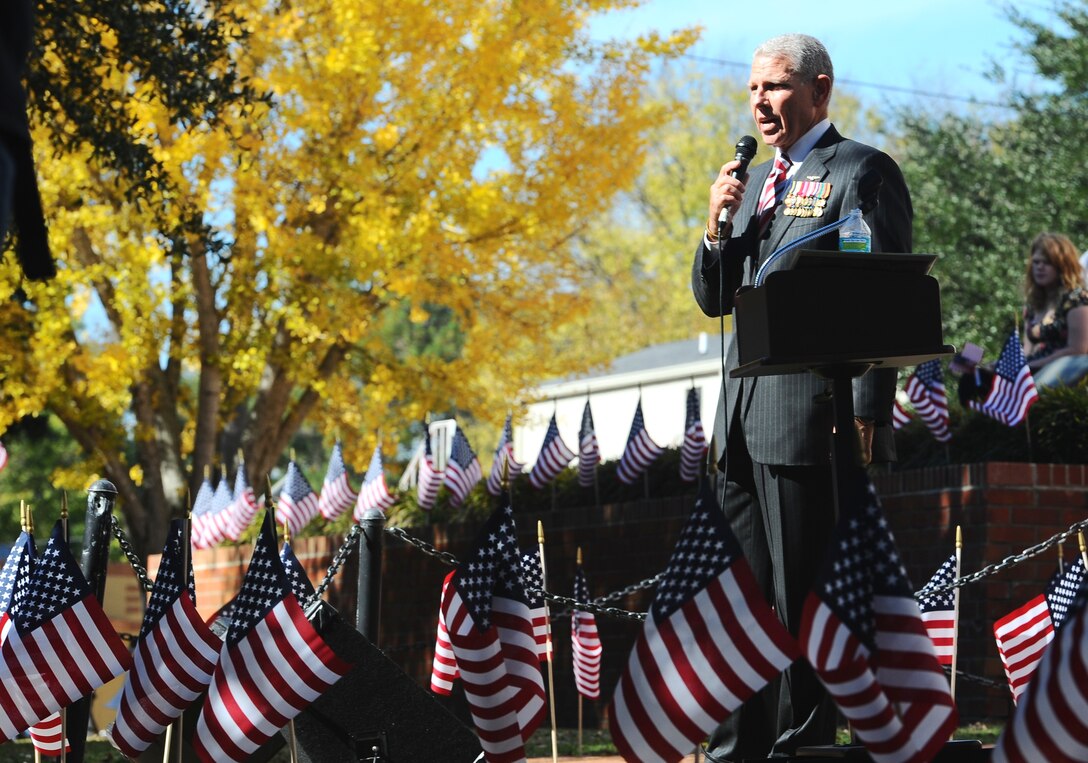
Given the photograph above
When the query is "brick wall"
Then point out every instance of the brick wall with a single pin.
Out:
(1001, 507)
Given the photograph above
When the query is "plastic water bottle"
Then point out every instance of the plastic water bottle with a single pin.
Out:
(854, 235)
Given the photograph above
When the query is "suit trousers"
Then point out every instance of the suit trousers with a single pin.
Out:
(783, 517)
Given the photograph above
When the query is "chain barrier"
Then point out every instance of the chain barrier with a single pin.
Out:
(444, 556)
(587, 606)
(130, 554)
(1008, 561)
(987, 682)
(597, 606)
(342, 555)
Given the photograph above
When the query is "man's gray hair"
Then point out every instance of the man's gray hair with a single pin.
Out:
(807, 56)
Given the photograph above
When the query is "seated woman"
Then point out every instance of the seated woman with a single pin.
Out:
(1055, 312)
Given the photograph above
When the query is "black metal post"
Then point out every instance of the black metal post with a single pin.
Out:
(369, 609)
(93, 562)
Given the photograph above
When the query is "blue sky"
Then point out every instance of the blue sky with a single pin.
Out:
(933, 46)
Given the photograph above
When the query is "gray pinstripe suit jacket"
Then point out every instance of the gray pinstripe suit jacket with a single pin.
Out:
(781, 422)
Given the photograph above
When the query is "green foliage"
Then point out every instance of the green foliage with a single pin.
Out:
(984, 185)
(1058, 424)
(37, 447)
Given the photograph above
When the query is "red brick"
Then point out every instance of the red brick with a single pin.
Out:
(999, 515)
(1009, 497)
(1005, 473)
(1067, 498)
(1043, 516)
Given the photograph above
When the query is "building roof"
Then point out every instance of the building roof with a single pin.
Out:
(689, 357)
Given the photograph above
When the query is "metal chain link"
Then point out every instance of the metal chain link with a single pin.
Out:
(990, 683)
(623, 593)
(342, 555)
(586, 606)
(130, 554)
(1008, 561)
(424, 546)
(593, 606)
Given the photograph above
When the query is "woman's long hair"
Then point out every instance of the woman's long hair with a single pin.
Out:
(1060, 252)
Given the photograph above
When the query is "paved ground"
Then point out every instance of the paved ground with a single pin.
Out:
(587, 759)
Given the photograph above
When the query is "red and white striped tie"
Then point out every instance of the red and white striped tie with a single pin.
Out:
(773, 190)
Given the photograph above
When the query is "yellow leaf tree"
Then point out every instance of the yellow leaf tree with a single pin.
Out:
(413, 159)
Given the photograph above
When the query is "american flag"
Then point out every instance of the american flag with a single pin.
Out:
(709, 643)
(244, 506)
(462, 470)
(926, 391)
(504, 459)
(532, 577)
(374, 493)
(14, 578)
(900, 416)
(298, 501)
(938, 610)
(1022, 637)
(693, 449)
(585, 642)
(1013, 392)
(216, 521)
(444, 666)
(862, 631)
(15, 574)
(174, 658)
(589, 454)
(430, 479)
(271, 667)
(640, 452)
(336, 493)
(297, 578)
(3, 456)
(58, 643)
(491, 635)
(1063, 590)
(554, 457)
(202, 507)
(1051, 722)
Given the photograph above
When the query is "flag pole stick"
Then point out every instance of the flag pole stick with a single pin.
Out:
(64, 530)
(1061, 559)
(172, 742)
(548, 640)
(956, 612)
(292, 741)
(1083, 548)
(27, 524)
(578, 562)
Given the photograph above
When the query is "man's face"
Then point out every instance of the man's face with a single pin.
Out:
(784, 107)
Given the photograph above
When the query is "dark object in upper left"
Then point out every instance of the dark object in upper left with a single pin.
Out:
(20, 202)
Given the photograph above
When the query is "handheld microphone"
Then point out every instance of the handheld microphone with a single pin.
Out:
(746, 149)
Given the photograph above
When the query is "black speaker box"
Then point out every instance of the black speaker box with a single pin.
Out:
(376, 712)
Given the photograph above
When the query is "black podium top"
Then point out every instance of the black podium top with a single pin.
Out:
(840, 308)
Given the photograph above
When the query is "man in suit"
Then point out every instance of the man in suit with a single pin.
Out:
(773, 432)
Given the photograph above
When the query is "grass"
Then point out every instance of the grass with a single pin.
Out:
(594, 742)
(599, 742)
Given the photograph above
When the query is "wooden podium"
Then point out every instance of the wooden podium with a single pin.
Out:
(837, 315)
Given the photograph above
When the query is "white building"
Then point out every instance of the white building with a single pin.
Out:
(663, 374)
